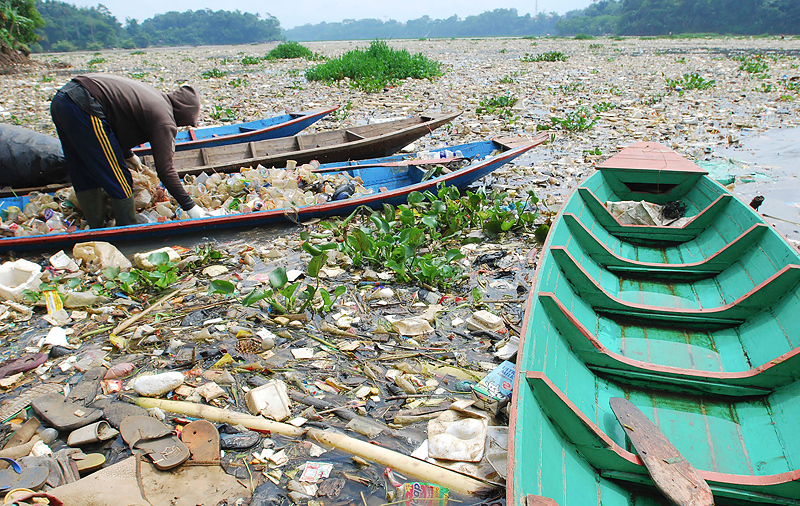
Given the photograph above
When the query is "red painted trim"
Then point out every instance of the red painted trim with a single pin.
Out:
(663, 369)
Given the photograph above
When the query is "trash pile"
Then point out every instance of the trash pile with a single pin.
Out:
(148, 377)
(252, 189)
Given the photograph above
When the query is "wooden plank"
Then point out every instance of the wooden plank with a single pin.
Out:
(677, 479)
(204, 154)
(252, 146)
(537, 500)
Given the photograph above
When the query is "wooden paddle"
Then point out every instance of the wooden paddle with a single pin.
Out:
(673, 476)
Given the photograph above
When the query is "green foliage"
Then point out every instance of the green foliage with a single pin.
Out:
(583, 36)
(510, 78)
(68, 27)
(550, 56)
(137, 281)
(754, 64)
(498, 104)
(690, 82)
(595, 46)
(251, 60)
(289, 49)
(578, 120)
(95, 61)
(221, 113)
(19, 20)
(238, 82)
(376, 67)
(419, 241)
(137, 75)
(214, 73)
(603, 107)
(342, 113)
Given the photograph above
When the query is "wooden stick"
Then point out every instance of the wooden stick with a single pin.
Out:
(404, 464)
(135, 318)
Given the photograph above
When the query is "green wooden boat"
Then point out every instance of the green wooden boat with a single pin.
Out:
(695, 324)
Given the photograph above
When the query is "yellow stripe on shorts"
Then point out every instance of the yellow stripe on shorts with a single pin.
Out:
(105, 143)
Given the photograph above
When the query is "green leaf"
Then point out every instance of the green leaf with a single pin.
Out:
(278, 278)
(255, 296)
(439, 206)
(158, 258)
(316, 264)
(453, 254)
(429, 220)
(364, 243)
(477, 296)
(507, 225)
(221, 286)
(74, 283)
(415, 198)
(110, 272)
(312, 249)
(380, 224)
(388, 212)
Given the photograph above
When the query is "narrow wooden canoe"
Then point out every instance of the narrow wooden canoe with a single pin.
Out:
(356, 143)
(695, 325)
(391, 179)
(283, 125)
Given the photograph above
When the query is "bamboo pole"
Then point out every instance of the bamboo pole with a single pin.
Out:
(404, 464)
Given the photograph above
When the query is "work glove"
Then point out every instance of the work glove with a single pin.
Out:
(134, 163)
(197, 212)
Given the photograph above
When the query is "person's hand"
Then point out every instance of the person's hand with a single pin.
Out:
(197, 212)
(134, 163)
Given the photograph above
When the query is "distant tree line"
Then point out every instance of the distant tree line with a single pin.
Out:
(662, 17)
(53, 25)
(499, 22)
(607, 17)
(70, 28)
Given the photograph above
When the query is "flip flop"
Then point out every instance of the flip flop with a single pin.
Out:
(86, 389)
(115, 411)
(32, 478)
(22, 401)
(96, 432)
(156, 440)
(23, 364)
(91, 462)
(202, 439)
(62, 414)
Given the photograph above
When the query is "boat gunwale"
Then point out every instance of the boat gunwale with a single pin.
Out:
(236, 138)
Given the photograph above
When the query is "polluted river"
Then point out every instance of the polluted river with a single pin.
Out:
(310, 362)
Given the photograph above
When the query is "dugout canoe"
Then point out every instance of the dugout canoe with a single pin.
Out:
(391, 179)
(283, 125)
(696, 325)
(356, 143)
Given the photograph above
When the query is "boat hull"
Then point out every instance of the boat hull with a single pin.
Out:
(398, 181)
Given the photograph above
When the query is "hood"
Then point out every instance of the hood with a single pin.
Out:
(186, 106)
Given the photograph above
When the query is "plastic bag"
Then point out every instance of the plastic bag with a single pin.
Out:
(28, 158)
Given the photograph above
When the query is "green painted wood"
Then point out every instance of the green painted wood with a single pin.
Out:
(712, 264)
(653, 234)
(721, 384)
(691, 313)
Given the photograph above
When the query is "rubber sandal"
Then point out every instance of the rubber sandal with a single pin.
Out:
(202, 439)
(154, 439)
(22, 496)
(86, 390)
(115, 411)
(62, 414)
(23, 364)
(21, 402)
(94, 433)
(32, 478)
(91, 462)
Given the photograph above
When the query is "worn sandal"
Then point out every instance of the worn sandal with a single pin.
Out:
(149, 436)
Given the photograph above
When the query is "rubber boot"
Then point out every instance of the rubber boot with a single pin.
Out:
(93, 205)
(124, 211)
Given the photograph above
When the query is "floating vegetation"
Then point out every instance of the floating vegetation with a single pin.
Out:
(375, 68)
(550, 56)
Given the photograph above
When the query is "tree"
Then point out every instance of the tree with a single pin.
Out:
(19, 20)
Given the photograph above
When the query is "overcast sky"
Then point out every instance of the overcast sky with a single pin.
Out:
(299, 12)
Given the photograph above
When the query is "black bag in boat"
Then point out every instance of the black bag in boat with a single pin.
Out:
(28, 158)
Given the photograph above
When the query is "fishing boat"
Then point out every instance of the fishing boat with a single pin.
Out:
(356, 143)
(387, 179)
(690, 321)
(283, 125)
